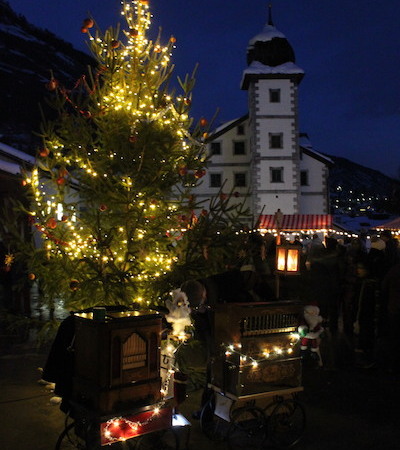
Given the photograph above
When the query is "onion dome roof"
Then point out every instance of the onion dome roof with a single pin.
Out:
(270, 47)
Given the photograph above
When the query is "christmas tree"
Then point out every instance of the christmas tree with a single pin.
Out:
(111, 191)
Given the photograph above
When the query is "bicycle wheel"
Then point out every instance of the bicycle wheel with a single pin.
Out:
(211, 425)
(286, 424)
(248, 428)
(68, 440)
(79, 434)
(158, 440)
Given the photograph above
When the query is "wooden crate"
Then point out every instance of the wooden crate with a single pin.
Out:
(117, 361)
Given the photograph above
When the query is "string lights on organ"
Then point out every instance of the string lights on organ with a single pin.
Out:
(268, 353)
(121, 428)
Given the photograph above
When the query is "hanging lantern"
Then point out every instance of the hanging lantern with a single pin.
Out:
(288, 260)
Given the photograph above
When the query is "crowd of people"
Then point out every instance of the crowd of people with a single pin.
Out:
(355, 282)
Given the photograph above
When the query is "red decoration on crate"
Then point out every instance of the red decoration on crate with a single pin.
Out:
(123, 428)
(180, 381)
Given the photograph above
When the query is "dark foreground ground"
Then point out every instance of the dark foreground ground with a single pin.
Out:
(347, 407)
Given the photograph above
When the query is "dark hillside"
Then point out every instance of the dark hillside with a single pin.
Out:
(28, 56)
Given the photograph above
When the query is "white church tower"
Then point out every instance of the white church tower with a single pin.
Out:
(272, 79)
(262, 157)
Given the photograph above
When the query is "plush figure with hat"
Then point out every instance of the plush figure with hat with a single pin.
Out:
(310, 333)
(179, 312)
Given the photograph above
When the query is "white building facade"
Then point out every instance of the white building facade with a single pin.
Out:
(261, 157)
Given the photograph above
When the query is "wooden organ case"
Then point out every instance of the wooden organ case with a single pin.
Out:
(256, 347)
(117, 361)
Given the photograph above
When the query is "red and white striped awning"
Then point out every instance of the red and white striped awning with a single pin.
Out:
(296, 222)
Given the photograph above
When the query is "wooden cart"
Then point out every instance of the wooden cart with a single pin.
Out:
(116, 398)
(255, 376)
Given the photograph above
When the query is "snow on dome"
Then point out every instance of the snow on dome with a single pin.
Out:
(257, 68)
(270, 47)
(268, 33)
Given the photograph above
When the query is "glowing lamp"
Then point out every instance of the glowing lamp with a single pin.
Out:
(288, 260)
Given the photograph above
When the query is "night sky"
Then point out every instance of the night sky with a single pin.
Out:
(349, 50)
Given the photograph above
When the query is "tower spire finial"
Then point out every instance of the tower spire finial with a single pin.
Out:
(270, 22)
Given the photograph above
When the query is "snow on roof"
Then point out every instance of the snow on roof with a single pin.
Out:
(305, 143)
(268, 33)
(10, 167)
(17, 31)
(224, 125)
(18, 155)
(356, 224)
(257, 68)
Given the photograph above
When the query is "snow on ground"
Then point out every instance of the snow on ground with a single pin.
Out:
(360, 224)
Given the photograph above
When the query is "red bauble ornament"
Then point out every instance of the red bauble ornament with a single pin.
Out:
(236, 194)
(88, 23)
(133, 32)
(31, 276)
(204, 212)
(103, 207)
(60, 181)
(203, 122)
(199, 173)
(64, 218)
(133, 139)
(44, 152)
(51, 223)
(52, 85)
(183, 171)
(24, 182)
(84, 30)
(115, 44)
(172, 39)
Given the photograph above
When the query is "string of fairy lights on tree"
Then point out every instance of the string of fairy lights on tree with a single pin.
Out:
(111, 187)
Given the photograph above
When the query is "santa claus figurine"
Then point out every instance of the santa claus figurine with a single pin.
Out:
(310, 332)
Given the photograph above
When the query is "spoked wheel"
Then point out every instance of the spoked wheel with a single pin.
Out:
(161, 440)
(211, 425)
(69, 440)
(286, 424)
(79, 434)
(248, 429)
